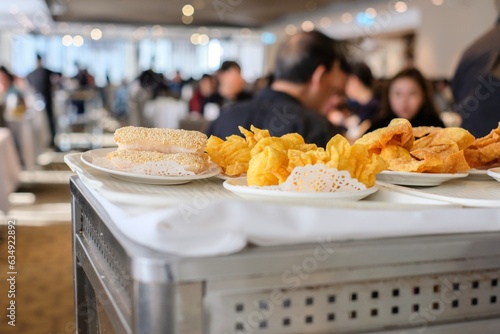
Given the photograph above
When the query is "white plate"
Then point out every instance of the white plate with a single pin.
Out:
(417, 179)
(479, 175)
(88, 159)
(494, 173)
(225, 177)
(240, 188)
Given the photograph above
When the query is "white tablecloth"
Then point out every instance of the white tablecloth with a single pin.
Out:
(205, 224)
(9, 168)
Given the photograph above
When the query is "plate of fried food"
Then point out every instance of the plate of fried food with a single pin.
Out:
(286, 169)
(240, 187)
(422, 156)
(154, 156)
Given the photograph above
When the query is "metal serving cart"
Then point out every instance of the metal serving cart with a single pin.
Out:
(435, 284)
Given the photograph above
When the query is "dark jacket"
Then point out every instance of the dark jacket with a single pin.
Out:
(476, 85)
(277, 112)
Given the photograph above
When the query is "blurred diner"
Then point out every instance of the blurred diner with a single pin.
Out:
(408, 95)
(308, 70)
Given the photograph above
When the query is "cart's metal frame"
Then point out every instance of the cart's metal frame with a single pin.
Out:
(437, 284)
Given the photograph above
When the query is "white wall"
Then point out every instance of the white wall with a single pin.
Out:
(447, 30)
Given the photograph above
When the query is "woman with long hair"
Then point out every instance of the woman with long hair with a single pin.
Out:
(408, 95)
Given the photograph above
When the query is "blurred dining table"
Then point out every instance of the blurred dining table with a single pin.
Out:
(10, 168)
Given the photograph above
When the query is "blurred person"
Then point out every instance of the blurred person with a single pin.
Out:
(408, 95)
(40, 80)
(147, 86)
(336, 111)
(362, 101)
(84, 81)
(476, 84)
(176, 84)
(231, 85)
(262, 82)
(204, 89)
(12, 101)
(308, 70)
(443, 97)
(360, 92)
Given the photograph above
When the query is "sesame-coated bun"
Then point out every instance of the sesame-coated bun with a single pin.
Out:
(191, 162)
(160, 140)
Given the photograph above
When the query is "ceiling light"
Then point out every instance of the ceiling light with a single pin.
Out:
(346, 18)
(96, 34)
(291, 29)
(188, 10)
(67, 40)
(157, 30)
(325, 22)
(78, 40)
(195, 38)
(307, 26)
(400, 6)
(437, 2)
(203, 39)
(371, 12)
(187, 19)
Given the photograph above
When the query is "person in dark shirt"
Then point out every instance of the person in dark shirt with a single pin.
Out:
(360, 91)
(40, 80)
(231, 85)
(308, 70)
(476, 84)
(408, 95)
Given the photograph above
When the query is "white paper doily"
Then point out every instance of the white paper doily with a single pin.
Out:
(318, 178)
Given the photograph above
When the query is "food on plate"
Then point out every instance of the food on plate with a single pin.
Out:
(275, 162)
(160, 140)
(437, 150)
(191, 162)
(461, 137)
(138, 147)
(398, 132)
(421, 131)
(270, 160)
(232, 154)
(484, 153)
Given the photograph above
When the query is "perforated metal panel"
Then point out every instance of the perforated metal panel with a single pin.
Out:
(112, 253)
(350, 307)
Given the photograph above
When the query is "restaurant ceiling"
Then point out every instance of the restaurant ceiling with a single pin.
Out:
(235, 13)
